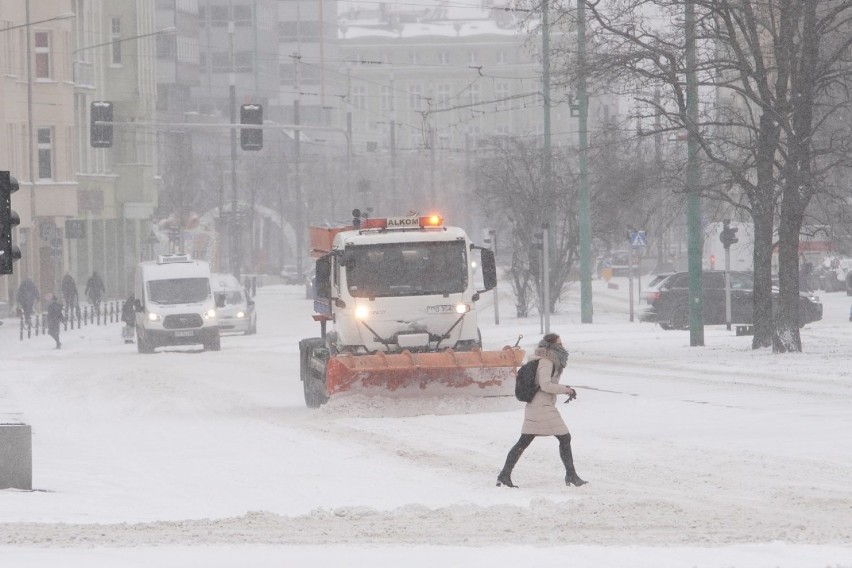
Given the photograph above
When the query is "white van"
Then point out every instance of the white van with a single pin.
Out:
(174, 304)
(236, 310)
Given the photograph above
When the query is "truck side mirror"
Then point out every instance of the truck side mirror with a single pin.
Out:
(347, 259)
(323, 278)
(489, 269)
(137, 305)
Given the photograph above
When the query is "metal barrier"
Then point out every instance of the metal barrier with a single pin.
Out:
(104, 313)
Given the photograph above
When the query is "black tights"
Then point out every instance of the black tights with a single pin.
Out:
(526, 439)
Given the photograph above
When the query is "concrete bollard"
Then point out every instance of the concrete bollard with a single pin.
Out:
(16, 456)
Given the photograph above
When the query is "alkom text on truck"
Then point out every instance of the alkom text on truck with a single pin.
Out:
(400, 295)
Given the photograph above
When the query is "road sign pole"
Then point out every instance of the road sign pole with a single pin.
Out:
(728, 287)
(630, 278)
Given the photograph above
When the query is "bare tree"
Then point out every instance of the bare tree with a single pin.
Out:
(762, 71)
(510, 185)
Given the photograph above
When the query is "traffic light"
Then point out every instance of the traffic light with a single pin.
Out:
(251, 138)
(100, 134)
(728, 234)
(9, 253)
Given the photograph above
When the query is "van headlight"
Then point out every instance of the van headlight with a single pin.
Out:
(462, 308)
(153, 317)
(210, 314)
(241, 314)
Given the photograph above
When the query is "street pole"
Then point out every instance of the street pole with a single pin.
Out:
(630, 278)
(232, 91)
(728, 288)
(496, 296)
(545, 230)
(696, 301)
(586, 309)
(32, 265)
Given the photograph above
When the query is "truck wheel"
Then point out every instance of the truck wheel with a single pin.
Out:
(214, 345)
(141, 344)
(313, 382)
(680, 317)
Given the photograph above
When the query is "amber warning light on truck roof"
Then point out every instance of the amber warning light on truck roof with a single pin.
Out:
(412, 222)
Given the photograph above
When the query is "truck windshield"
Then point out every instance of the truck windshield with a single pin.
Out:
(178, 290)
(407, 269)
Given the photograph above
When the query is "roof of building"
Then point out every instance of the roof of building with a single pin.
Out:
(428, 18)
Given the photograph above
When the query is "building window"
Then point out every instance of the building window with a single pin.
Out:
(412, 57)
(221, 61)
(243, 61)
(45, 154)
(42, 55)
(387, 98)
(359, 96)
(219, 17)
(415, 97)
(443, 58)
(501, 57)
(501, 93)
(443, 95)
(242, 16)
(475, 94)
(116, 41)
(473, 58)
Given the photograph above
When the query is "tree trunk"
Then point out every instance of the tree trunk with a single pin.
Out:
(763, 214)
(762, 297)
(787, 336)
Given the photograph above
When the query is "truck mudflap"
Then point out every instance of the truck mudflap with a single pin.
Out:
(480, 373)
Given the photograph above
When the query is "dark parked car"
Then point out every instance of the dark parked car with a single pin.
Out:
(667, 302)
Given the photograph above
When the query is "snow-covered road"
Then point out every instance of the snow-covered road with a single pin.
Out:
(712, 456)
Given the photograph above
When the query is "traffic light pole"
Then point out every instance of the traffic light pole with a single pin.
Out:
(693, 220)
(728, 288)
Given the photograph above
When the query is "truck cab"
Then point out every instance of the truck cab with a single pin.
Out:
(402, 283)
(174, 304)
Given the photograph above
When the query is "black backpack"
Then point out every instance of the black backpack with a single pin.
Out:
(525, 384)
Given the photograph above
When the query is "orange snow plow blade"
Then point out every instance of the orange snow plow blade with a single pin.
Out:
(482, 373)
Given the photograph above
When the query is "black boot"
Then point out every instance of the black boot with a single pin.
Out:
(574, 479)
(505, 479)
(571, 477)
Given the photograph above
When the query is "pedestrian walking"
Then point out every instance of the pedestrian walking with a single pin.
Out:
(70, 293)
(26, 298)
(55, 316)
(128, 316)
(541, 417)
(95, 290)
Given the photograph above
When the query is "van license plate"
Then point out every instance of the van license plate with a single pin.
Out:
(184, 333)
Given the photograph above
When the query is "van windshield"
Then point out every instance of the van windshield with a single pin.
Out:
(178, 290)
(233, 298)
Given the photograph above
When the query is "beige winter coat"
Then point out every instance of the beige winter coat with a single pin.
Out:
(540, 415)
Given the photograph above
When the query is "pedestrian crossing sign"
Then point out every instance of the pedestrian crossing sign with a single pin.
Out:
(637, 239)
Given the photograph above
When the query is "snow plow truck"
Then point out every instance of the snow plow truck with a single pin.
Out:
(396, 302)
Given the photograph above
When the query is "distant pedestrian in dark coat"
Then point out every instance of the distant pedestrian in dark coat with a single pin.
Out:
(95, 289)
(128, 316)
(26, 297)
(54, 318)
(69, 292)
(541, 417)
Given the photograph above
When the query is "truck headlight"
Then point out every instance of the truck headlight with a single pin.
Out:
(462, 308)
(361, 312)
(153, 317)
(241, 314)
(210, 314)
